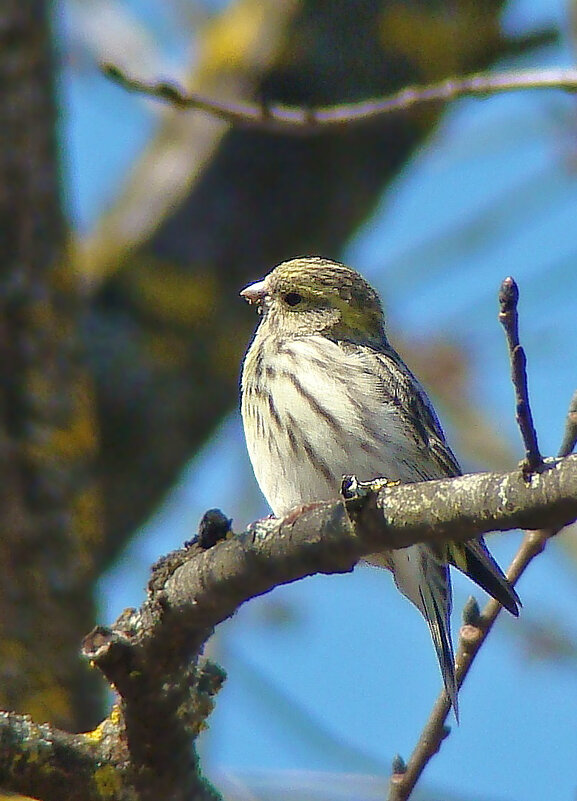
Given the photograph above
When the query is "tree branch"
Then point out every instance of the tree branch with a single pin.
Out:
(295, 120)
(194, 589)
(151, 656)
(51, 764)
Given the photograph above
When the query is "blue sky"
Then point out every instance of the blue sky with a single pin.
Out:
(347, 678)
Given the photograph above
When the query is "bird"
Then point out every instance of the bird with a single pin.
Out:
(323, 395)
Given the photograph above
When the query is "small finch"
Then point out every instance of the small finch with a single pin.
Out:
(325, 395)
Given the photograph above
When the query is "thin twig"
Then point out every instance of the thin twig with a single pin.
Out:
(473, 635)
(508, 299)
(299, 120)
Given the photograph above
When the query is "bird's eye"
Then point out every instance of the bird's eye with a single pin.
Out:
(292, 298)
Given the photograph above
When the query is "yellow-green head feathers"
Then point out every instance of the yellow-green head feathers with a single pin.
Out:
(314, 295)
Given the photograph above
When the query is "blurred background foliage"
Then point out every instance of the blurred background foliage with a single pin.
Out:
(162, 217)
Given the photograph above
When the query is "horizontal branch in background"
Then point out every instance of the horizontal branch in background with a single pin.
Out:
(151, 656)
(290, 119)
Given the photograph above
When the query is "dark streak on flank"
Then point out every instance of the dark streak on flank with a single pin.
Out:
(258, 366)
(290, 431)
(274, 412)
(318, 408)
(319, 463)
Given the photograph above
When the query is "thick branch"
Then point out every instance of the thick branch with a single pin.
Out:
(194, 590)
(289, 119)
(151, 655)
(325, 538)
(45, 762)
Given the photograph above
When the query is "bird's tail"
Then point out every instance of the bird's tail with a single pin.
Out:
(422, 575)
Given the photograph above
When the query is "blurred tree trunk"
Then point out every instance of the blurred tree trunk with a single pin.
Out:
(167, 328)
(49, 517)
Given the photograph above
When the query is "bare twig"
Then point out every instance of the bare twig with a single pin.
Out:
(290, 119)
(508, 299)
(473, 634)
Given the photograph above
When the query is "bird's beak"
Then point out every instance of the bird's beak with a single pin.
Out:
(254, 292)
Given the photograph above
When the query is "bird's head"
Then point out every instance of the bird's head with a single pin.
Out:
(310, 295)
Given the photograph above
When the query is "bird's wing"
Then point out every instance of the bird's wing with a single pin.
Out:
(400, 387)
(474, 559)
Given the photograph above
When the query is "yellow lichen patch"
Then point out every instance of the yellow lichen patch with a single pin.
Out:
(170, 350)
(87, 517)
(169, 294)
(96, 734)
(107, 781)
(113, 720)
(50, 702)
(226, 42)
(433, 39)
(227, 353)
(115, 716)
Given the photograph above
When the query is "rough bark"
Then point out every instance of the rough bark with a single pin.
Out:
(48, 512)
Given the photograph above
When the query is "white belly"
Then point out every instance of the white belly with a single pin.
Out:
(331, 421)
